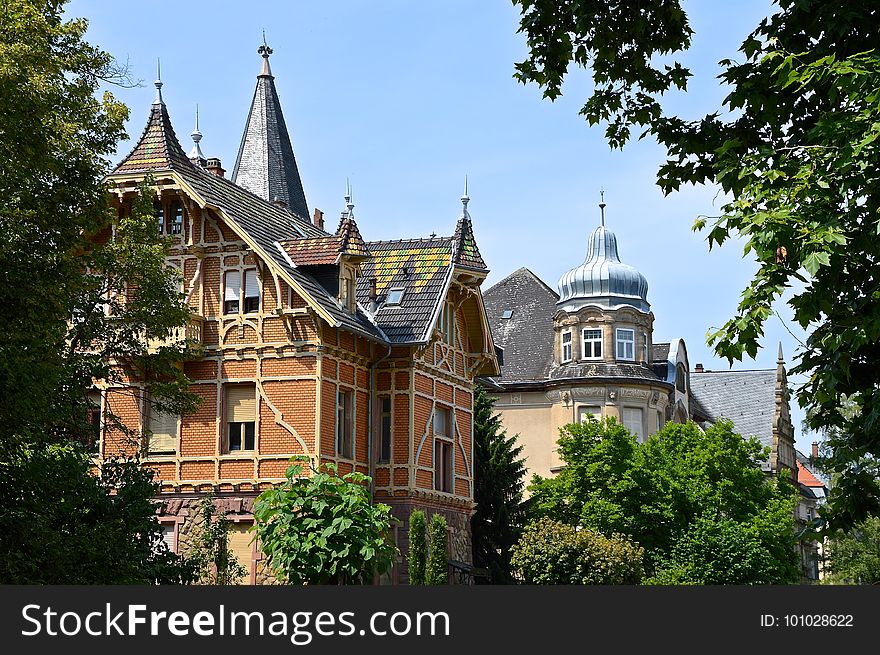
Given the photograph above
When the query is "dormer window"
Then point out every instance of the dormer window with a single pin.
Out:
(566, 346)
(626, 344)
(346, 289)
(506, 314)
(394, 297)
(592, 344)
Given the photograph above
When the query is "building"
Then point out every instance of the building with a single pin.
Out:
(589, 349)
(307, 341)
(813, 493)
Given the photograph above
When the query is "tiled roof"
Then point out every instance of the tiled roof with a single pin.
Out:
(527, 336)
(660, 352)
(748, 398)
(807, 476)
(267, 224)
(421, 267)
(465, 245)
(266, 164)
(326, 250)
(158, 148)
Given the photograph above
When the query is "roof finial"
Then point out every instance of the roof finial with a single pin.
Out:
(349, 205)
(158, 84)
(195, 154)
(464, 201)
(602, 205)
(780, 359)
(265, 51)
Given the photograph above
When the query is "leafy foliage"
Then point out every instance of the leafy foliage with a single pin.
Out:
(64, 525)
(67, 267)
(499, 474)
(854, 557)
(552, 552)
(695, 501)
(437, 572)
(418, 547)
(215, 563)
(795, 147)
(323, 529)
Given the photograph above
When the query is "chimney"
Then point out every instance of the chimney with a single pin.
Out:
(278, 202)
(213, 166)
(318, 219)
(374, 297)
(698, 368)
(815, 450)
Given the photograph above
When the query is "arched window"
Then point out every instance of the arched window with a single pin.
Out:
(681, 378)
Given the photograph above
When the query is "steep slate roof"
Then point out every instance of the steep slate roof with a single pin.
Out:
(266, 164)
(466, 251)
(258, 220)
(748, 398)
(527, 336)
(423, 268)
(158, 148)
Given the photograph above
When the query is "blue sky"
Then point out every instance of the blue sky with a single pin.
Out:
(406, 98)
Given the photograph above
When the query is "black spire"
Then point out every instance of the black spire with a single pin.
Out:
(266, 165)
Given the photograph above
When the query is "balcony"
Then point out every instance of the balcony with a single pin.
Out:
(190, 334)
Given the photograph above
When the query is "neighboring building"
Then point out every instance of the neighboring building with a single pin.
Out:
(308, 342)
(589, 350)
(813, 493)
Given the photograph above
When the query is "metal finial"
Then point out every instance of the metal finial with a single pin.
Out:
(465, 199)
(349, 205)
(602, 205)
(265, 51)
(196, 153)
(158, 84)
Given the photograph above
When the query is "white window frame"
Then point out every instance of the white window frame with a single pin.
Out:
(570, 345)
(640, 433)
(390, 300)
(620, 353)
(591, 341)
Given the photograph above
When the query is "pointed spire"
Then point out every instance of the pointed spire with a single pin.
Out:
(464, 245)
(195, 155)
(349, 205)
(158, 84)
(779, 358)
(602, 205)
(266, 165)
(158, 148)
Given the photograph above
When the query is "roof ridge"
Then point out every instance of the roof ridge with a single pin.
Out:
(530, 273)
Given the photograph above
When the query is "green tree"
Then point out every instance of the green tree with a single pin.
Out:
(499, 480)
(854, 557)
(63, 525)
(80, 288)
(323, 528)
(210, 554)
(795, 149)
(418, 547)
(552, 552)
(696, 501)
(437, 570)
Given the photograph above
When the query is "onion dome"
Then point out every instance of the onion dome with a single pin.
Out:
(603, 279)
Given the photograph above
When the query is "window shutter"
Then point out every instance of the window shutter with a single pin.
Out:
(233, 285)
(240, 546)
(168, 535)
(164, 431)
(251, 284)
(241, 404)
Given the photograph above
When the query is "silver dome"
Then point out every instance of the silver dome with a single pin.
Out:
(603, 279)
